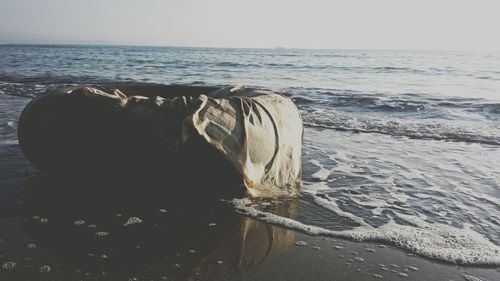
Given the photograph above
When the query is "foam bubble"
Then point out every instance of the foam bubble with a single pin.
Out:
(9, 265)
(45, 269)
(132, 221)
(79, 222)
(301, 243)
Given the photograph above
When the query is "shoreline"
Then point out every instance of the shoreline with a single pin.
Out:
(227, 246)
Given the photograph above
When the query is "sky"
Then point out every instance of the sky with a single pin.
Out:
(324, 24)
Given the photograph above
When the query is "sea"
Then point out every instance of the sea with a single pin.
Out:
(400, 147)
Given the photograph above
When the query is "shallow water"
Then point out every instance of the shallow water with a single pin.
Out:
(400, 147)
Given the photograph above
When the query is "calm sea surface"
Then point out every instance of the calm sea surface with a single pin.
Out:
(401, 147)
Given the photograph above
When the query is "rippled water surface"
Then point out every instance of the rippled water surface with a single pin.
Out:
(400, 146)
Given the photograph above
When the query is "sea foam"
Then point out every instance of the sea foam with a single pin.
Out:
(437, 241)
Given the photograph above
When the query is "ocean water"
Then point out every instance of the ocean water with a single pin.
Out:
(400, 147)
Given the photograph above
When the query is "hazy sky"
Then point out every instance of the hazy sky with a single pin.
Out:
(361, 24)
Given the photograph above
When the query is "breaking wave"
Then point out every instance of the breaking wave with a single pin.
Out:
(402, 128)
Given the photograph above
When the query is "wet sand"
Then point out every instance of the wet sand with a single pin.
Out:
(67, 236)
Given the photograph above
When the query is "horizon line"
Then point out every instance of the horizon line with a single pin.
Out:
(113, 44)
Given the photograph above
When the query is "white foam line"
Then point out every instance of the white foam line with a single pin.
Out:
(331, 204)
(438, 241)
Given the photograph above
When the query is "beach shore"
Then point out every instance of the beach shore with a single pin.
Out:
(88, 241)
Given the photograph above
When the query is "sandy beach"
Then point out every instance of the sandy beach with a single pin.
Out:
(77, 239)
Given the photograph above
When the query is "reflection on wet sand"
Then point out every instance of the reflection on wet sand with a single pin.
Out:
(253, 243)
(109, 236)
